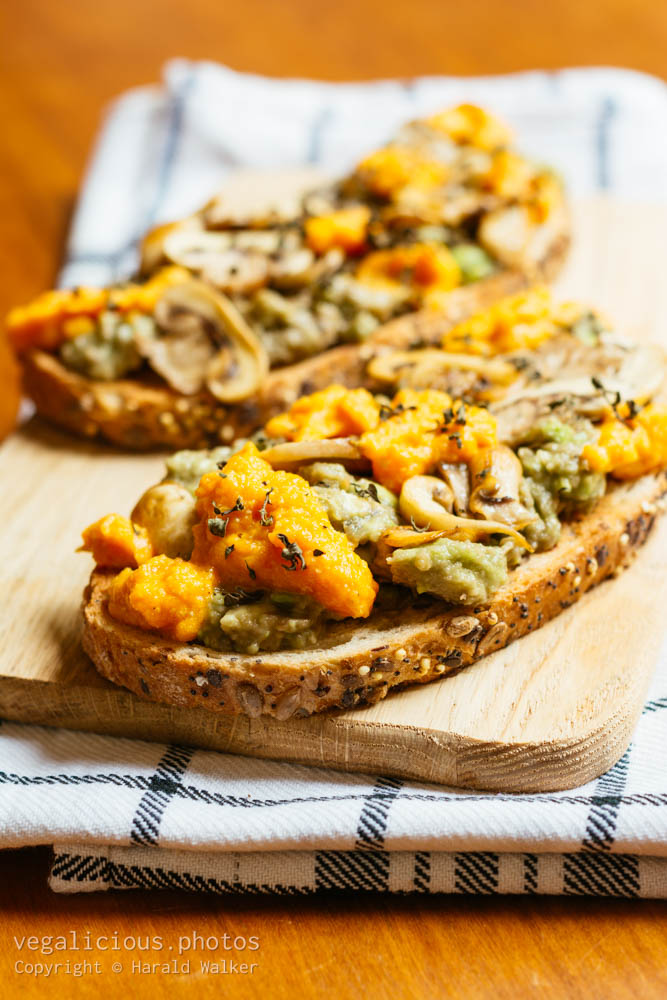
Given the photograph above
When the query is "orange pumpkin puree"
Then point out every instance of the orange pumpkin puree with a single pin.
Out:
(423, 267)
(628, 449)
(277, 536)
(425, 428)
(518, 321)
(166, 595)
(387, 171)
(345, 228)
(332, 412)
(509, 175)
(469, 125)
(58, 315)
(116, 542)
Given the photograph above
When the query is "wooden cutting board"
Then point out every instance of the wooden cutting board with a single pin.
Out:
(551, 711)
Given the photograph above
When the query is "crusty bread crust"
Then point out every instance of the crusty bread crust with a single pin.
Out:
(144, 414)
(362, 660)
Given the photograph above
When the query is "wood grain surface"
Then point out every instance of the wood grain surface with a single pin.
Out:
(338, 947)
(551, 711)
(60, 64)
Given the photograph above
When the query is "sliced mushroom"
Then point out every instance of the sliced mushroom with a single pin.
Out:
(514, 421)
(217, 260)
(414, 205)
(152, 246)
(496, 475)
(419, 503)
(183, 348)
(300, 267)
(248, 202)
(639, 377)
(205, 342)
(292, 453)
(457, 477)
(292, 270)
(403, 537)
(513, 237)
(267, 241)
(420, 367)
(610, 373)
(167, 512)
(642, 373)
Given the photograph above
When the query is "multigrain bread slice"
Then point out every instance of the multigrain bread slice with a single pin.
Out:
(144, 414)
(362, 660)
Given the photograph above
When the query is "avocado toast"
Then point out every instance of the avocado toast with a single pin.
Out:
(364, 541)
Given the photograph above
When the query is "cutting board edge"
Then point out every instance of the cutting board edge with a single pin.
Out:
(459, 760)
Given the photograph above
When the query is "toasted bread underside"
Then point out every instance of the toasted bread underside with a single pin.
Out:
(359, 661)
(144, 414)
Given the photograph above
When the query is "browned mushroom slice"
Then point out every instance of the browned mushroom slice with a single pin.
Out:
(421, 367)
(403, 537)
(182, 349)
(420, 503)
(513, 237)
(152, 246)
(291, 453)
(585, 379)
(300, 267)
(455, 474)
(451, 205)
(204, 342)
(638, 375)
(214, 257)
(247, 202)
(496, 475)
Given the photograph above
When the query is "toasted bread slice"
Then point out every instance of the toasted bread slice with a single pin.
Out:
(361, 660)
(143, 414)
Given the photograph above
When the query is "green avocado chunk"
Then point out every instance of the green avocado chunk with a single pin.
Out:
(459, 572)
(543, 533)
(109, 351)
(474, 262)
(554, 461)
(187, 467)
(359, 507)
(249, 623)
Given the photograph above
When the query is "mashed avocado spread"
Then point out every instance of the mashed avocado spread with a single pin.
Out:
(458, 572)
(252, 622)
(553, 459)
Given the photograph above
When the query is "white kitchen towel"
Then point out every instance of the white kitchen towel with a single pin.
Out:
(127, 814)
(164, 151)
(123, 813)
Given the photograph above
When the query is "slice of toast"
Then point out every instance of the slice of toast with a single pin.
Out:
(359, 661)
(144, 414)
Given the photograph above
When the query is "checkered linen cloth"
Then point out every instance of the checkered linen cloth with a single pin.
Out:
(125, 814)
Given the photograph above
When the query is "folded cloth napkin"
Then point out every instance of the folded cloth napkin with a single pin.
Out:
(126, 814)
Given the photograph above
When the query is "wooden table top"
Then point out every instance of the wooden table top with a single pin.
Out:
(61, 63)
